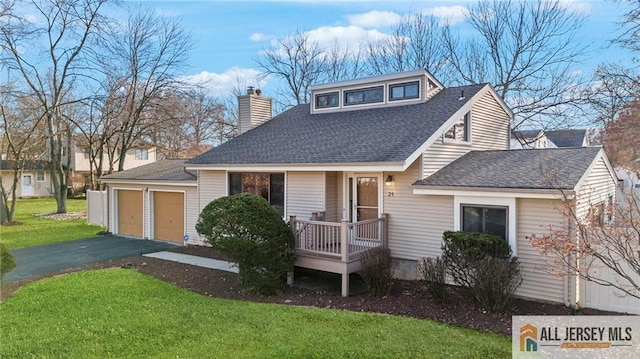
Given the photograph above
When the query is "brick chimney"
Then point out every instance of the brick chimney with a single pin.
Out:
(253, 109)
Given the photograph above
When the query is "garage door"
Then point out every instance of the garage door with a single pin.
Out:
(168, 216)
(130, 213)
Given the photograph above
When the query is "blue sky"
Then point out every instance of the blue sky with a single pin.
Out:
(230, 34)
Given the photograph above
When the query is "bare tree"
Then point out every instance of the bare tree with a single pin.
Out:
(630, 37)
(299, 61)
(49, 73)
(527, 51)
(612, 89)
(621, 138)
(415, 43)
(18, 144)
(143, 63)
(605, 239)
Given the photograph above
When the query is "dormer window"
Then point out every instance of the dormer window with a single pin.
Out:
(362, 96)
(460, 131)
(404, 91)
(326, 100)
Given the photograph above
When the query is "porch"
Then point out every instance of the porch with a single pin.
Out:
(336, 247)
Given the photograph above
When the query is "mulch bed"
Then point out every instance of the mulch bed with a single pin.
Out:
(407, 298)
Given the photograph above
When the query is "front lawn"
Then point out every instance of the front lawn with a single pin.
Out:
(35, 231)
(122, 313)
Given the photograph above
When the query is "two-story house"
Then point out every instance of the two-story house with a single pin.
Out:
(391, 160)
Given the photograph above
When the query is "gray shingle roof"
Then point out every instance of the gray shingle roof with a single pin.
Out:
(567, 138)
(549, 168)
(165, 170)
(526, 134)
(388, 134)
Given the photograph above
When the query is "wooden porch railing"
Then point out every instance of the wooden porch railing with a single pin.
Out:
(342, 241)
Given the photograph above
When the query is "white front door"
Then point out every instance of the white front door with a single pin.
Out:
(364, 197)
(27, 185)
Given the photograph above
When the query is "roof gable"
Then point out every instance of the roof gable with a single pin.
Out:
(375, 136)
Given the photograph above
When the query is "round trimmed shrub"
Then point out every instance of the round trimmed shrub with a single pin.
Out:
(254, 235)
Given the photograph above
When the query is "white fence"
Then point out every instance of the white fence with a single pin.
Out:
(601, 297)
(97, 207)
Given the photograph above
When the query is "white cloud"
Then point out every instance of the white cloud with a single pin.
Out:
(374, 19)
(448, 14)
(577, 6)
(258, 37)
(223, 84)
(351, 37)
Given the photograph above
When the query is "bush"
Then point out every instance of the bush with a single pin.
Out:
(483, 264)
(7, 261)
(376, 271)
(434, 272)
(496, 279)
(254, 235)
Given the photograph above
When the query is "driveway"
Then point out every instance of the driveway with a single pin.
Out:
(51, 258)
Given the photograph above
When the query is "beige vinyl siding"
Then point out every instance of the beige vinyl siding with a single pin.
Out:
(534, 217)
(490, 125)
(416, 222)
(331, 199)
(192, 214)
(305, 193)
(489, 131)
(253, 110)
(596, 189)
(211, 185)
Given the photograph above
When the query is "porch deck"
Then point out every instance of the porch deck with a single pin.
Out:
(337, 247)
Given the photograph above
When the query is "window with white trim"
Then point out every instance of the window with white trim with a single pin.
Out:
(269, 186)
(485, 219)
(362, 96)
(405, 91)
(461, 130)
(40, 176)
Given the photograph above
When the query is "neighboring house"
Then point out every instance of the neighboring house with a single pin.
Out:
(527, 139)
(392, 160)
(33, 181)
(628, 182)
(81, 166)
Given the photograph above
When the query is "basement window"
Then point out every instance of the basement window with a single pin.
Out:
(404, 91)
(362, 96)
(269, 186)
(327, 100)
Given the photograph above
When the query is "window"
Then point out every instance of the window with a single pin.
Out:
(485, 219)
(357, 97)
(142, 154)
(460, 130)
(327, 100)
(404, 91)
(40, 176)
(268, 185)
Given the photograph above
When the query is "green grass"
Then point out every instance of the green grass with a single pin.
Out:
(120, 313)
(35, 231)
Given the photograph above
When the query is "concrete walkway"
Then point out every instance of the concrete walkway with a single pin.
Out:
(195, 260)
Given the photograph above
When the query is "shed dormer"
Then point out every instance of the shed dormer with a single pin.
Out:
(401, 88)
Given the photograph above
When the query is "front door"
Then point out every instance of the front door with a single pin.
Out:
(27, 185)
(363, 197)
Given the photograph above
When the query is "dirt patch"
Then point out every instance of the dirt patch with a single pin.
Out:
(408, 298)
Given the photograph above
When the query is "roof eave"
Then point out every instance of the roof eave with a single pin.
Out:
(545, 193)
(352, 167)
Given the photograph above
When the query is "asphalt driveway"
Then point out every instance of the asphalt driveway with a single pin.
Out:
(55, 257)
